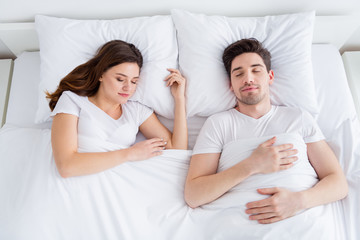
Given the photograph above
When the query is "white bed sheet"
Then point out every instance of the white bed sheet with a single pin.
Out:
(28, 177)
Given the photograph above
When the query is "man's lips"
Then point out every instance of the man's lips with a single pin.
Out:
(247, 89)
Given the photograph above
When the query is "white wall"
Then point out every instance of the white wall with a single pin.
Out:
(25, 10)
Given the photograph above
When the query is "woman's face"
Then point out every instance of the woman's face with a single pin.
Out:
(118, 83)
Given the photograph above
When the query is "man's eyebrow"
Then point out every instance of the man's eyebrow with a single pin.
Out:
(257, 65)
(254, 65)
(235, 69)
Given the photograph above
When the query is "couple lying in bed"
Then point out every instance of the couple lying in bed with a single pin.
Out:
(92, 101)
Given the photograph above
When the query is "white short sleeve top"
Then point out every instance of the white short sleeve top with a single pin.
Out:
(95, 127)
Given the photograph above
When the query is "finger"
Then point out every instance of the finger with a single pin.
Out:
(158, 149)
(268, 191)
(257, 204)
(269, 142)
(158, 153)
(169, 77)
(288, 160)
(173, 70)
(287, 153)
(284, 147)
(259, 210)
(171, 82)
(177, 80)
(285, 166)
(159, 144)
(270, 220)
(264, 216)
(154, 140)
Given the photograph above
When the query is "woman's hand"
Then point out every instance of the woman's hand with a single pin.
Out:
(177, 83)
(147, 149)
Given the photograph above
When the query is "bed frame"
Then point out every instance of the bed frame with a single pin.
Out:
(327, 29)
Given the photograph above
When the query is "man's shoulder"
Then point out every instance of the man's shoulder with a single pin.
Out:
(289, 110)
(221, 115)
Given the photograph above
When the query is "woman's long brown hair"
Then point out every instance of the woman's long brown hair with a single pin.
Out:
(84, 79)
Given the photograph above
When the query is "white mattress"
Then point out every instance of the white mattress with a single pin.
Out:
(29, 182)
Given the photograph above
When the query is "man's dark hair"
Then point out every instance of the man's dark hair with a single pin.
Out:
(250, 45)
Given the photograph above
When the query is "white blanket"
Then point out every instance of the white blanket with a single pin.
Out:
(137, 200)
(229, 210)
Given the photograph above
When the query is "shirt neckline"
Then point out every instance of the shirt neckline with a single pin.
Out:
(272, 109)
(99, 109)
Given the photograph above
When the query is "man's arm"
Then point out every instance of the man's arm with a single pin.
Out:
(284, 203)
(204, 184)
(332, 185)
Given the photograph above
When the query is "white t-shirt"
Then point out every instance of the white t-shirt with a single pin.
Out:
(96, 128)
(225, 127)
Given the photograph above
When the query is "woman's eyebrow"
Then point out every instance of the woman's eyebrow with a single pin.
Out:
(124, 75)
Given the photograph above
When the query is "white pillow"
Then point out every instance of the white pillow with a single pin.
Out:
(202, 40)
(67, 43)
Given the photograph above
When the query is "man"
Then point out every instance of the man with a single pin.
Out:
(248, 65)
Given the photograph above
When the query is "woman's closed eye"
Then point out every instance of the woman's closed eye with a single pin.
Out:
(122, 80)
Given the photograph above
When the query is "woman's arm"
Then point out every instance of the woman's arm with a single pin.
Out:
(152, 127)
(71, 163)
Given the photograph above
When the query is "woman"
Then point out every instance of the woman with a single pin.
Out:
(91, 104)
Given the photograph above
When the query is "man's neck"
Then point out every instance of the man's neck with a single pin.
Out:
(255, 111)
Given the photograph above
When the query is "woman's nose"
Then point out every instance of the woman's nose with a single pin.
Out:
(125, 85)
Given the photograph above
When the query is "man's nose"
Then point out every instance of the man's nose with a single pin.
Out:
(249, 78)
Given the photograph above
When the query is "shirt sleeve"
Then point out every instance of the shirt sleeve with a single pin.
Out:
(144, 113)
(66, 104)
(210, 139)
(311, 130)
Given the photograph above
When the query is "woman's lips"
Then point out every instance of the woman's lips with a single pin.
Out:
(124, 94)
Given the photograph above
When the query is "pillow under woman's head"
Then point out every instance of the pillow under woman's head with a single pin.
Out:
(67, 43)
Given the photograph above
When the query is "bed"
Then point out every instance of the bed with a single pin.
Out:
(144, 200)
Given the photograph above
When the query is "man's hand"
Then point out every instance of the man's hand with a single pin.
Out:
(282, 204)
(268, 158)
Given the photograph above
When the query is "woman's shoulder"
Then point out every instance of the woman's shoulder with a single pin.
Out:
(135, 105)
(72, 95)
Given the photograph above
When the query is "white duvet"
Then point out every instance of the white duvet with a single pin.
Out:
(137, 200)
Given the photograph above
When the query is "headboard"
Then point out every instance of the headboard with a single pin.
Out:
(328, 29)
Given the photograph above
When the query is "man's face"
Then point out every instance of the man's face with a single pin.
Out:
(249, 79)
